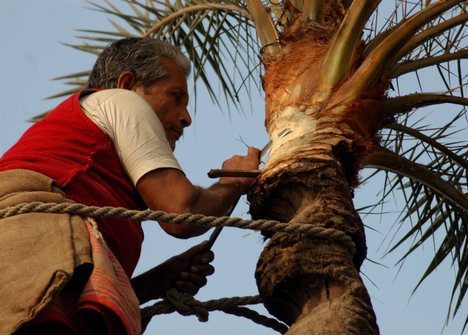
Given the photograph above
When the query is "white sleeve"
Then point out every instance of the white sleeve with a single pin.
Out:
(138, 135)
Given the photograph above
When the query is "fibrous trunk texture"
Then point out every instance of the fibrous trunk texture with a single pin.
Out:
(313, 284)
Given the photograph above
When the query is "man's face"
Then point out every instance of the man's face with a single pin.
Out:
(169, 98)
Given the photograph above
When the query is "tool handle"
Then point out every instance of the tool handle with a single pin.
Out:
(216, 173)
(214, 235)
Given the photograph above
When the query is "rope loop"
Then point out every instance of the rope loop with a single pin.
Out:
(186, 305)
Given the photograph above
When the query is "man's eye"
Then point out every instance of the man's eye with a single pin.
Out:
(178, 97)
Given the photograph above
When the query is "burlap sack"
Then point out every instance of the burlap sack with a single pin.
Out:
(38, 252)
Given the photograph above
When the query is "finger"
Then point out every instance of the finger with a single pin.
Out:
(187, 287)
(252, 151)
(190, 279)
(203, 258)
(194, 278)
(204, 270)
(206, 257)
(195, 250)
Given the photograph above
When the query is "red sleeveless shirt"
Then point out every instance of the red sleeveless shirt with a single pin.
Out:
(69, 148)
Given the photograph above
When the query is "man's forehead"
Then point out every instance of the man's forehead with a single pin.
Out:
(174, 74)
(171, 66)
(179, 84)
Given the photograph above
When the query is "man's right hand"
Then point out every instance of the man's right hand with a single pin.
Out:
(248, 162)
(169, 190)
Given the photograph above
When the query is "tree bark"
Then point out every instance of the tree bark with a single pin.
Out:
(313, 284)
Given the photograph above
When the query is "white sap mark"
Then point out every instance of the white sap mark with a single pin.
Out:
(301, 129)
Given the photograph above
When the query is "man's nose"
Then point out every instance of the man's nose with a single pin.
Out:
(185, 118)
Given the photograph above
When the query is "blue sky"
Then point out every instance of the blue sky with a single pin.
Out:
(31, 33)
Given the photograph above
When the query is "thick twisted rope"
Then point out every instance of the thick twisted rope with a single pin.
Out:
(175, 301)
(185, 304)
(187, 218)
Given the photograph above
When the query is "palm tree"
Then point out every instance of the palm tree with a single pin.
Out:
(331, 73)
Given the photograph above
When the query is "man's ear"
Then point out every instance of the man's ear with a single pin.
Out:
(126, 80)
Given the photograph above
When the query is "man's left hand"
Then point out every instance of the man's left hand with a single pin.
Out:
(193, 267)
(186, 272)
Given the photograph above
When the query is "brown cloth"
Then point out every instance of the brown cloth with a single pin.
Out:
(39, 253)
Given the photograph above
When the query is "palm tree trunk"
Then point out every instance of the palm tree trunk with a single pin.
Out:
(313, 284)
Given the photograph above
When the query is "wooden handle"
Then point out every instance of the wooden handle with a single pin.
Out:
(216, 173)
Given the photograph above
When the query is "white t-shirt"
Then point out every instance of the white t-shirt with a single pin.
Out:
(138, 135)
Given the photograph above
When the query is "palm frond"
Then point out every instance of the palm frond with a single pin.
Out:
(212, 35)
(384, 51)
(377, 30)
(338, 59)
(437, 52)
(434, 30)
(463, 163)
(313, 11)
(389, 161)
(429, 168)
(440, 151)
(406, 103)
(266, 30)
(411, 66)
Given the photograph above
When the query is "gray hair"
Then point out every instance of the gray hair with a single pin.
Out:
(141, 55)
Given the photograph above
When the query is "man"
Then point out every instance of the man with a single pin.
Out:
(111, 145)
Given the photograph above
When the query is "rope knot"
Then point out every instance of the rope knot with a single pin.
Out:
(186, 305)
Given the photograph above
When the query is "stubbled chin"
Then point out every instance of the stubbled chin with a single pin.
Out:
(171, 142)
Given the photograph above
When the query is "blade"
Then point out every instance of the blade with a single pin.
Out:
(267, 147)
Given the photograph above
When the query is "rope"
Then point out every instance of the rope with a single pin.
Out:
(186, 305)
(175, 301)
(187, 218)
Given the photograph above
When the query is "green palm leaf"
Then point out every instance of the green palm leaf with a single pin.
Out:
(211, 33)
(435, 146)
(432, 175)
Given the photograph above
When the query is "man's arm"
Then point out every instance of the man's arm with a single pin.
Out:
(170, 190)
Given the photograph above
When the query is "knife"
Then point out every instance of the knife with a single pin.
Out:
(216, 173)
(219, 172)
